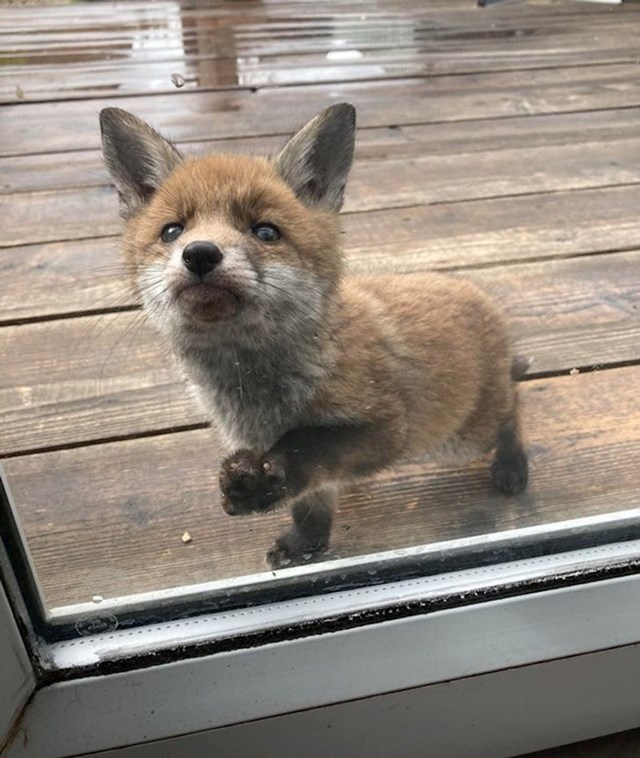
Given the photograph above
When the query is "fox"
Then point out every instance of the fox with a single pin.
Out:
(314, 377)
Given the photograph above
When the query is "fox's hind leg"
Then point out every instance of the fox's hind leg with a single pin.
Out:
(308, 536)
(510, 468)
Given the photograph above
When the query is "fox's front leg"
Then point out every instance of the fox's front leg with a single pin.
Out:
(301, 467)
(303, 460)
(308, 535)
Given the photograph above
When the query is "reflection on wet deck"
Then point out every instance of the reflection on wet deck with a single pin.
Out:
(502, 143)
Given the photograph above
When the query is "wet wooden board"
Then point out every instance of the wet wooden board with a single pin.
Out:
(128, 18)
(53, 171)
(72, 125)
(527, 181)
(76, 380)
(420, 180)
(427, 54)
(115, 531)
(490, 232)
(85, 379)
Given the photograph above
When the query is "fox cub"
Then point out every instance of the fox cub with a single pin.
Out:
(313, 378)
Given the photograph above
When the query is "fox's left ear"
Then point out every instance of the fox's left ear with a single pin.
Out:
(315, 162)
(138, 158)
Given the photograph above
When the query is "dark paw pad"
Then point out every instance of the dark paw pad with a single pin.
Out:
(510, 475)
(251, 483)
(291, 549)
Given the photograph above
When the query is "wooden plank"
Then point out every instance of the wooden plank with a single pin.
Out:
(486, 232)
(569, 313)
(117, 532)
(53, 171)
(70, 277)
(71, 125)
(135, 18)
(62, 278)
(85, 379)
(48, 80)
(92, 212)
(85, 168)
(458, 139)
(78, 380)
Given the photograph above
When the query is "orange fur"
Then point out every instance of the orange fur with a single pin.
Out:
(314, 377)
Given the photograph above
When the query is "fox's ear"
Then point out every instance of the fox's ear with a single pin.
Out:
(138, 158)
(315, 162)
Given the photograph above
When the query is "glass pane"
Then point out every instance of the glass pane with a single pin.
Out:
(493, 146)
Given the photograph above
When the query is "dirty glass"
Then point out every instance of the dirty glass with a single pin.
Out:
(493, 146)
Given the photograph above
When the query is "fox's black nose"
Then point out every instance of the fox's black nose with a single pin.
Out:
(201, 256)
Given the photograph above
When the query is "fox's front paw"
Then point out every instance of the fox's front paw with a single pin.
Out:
(510, 473)
(293, 548)
(252, 483)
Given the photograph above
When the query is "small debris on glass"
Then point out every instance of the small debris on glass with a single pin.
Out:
(186, 538)
(177, 80)
(574, 371)
(19, 92)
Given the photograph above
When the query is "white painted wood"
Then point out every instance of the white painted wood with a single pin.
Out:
(230, 688)
(89, 650)
(446, 552)
(17, 681)
(496, 715)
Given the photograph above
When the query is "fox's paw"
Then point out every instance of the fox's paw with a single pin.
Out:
(291, 549)
(509, 474)
(252, 483)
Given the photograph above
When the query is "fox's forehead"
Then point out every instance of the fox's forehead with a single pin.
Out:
(238, 185)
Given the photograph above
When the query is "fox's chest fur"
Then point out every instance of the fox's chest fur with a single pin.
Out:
(254, 394)
(312, 377)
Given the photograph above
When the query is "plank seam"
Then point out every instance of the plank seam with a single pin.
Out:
(287, 85)
(394, 124)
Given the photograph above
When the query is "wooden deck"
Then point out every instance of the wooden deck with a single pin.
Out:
(503, 143)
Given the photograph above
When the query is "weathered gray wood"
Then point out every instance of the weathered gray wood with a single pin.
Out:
(53, 171)
(71, 125)
(417, 181)
(123, 470)
(218, 63)
(108, 519)
(94, 378)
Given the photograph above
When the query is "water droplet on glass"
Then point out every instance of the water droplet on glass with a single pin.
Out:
(177, 80)
(97, 599)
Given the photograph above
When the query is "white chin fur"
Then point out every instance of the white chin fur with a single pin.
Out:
(229, 363)
(282, 297)
(160, 284)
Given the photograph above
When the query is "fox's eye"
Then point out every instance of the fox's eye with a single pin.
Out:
(171, 231)
(266, 232)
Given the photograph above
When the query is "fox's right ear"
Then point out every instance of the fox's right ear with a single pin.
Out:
(138, 158)
(315, 162)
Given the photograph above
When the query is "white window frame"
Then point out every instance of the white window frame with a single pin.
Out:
(490, 678)
(17, 679)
